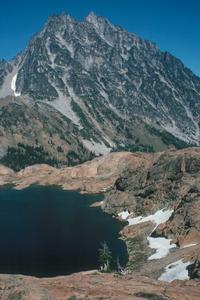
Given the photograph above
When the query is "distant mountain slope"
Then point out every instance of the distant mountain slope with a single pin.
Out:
(33, 133)
(118, 90)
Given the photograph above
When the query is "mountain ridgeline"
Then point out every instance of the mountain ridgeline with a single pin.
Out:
(85, 88)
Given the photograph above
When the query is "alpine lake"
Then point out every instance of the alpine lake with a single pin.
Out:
(47, 231)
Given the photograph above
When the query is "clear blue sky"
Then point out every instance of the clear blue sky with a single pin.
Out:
(174, 25)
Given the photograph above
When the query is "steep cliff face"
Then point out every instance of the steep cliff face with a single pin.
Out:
(118, 90)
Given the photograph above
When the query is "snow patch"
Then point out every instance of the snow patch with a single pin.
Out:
(176, 270)
(161, 216)
(5, 89)
(124, 214)
(162, 246)
(97, 148)
(189, 245)
(13, 86)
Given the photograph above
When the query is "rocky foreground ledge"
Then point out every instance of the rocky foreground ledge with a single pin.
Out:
(95, 286)
(142, 189)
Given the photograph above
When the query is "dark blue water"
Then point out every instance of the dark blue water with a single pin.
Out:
(45, 231)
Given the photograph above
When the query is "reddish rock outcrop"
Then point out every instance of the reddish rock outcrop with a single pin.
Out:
(94, 286)
(93, 176)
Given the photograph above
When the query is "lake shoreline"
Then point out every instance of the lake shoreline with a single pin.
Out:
(35, 203)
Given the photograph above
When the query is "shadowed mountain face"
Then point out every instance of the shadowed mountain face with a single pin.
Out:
(117, 90)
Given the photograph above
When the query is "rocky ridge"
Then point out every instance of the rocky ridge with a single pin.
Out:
(98, 175)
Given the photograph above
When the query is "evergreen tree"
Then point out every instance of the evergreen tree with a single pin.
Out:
(105, 257)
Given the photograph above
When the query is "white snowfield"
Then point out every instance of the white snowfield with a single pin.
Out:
(176, 270)
(161, 216)
(13, 86)
(160, 244)
(124, 214)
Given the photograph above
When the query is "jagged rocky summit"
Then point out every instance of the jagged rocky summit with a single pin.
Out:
(84, 88)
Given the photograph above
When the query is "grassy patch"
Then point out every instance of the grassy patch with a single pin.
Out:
(137, 253)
